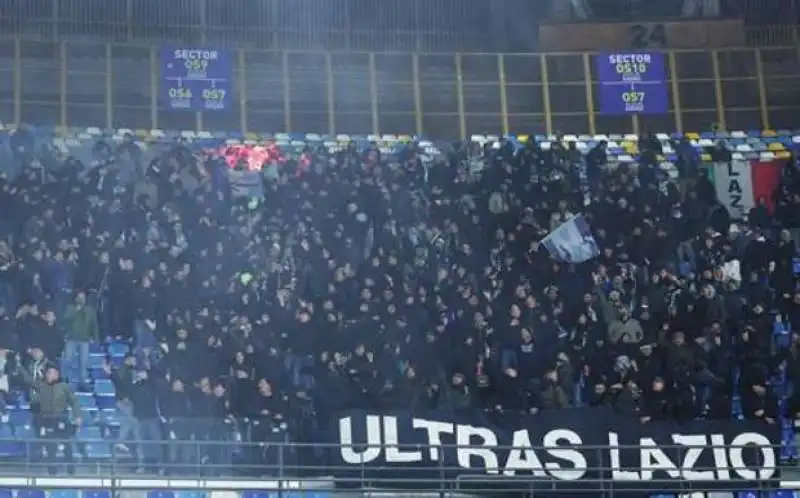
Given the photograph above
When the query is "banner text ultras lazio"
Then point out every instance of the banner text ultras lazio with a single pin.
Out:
(562, 446)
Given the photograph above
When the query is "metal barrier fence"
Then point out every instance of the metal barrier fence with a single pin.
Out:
(118, 85)
(422, 25)
(95, 456)
(399, 25)
(767, 13)
(282, 460)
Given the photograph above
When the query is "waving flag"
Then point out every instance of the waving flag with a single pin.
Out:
(739, 184)
(572, 241)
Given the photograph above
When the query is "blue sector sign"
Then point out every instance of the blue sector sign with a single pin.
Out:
(632, 82)
(196, 79)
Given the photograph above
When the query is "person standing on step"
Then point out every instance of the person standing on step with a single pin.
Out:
(55, 399)
(82, 328)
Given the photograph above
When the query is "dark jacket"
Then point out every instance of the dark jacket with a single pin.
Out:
(54, 398)
(82, 324)
(553, 397)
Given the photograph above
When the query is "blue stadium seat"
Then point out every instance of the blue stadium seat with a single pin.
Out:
(108, 417)
(191, 494)
(118, 349)
(89, 417)
(31, 493)
(106, 402)
(6, 493)
(17, 417)
(96, 361)
(160, 494)
(98, 373)
(783, 493)
(64, 493)
(113, 432)
(96, 493)
(256, 494)
(87, 401)
(781, 334)
(25, 432)
(9, 448)
(104, 387)
(304, 494)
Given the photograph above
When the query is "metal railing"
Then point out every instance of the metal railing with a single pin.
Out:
(407, 25)
(115, 85)
(423, 25)
(281, 460)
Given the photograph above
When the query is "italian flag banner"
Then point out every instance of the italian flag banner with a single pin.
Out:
(740, 184)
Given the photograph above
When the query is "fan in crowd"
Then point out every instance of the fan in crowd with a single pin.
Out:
(403, 281)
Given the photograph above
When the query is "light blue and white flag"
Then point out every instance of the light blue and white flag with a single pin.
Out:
(572, 241)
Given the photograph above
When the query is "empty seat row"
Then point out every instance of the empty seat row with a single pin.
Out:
(764, 145)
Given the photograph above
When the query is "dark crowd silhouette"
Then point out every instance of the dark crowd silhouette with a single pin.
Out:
(153, 314)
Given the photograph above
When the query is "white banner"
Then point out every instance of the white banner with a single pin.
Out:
(734, 184)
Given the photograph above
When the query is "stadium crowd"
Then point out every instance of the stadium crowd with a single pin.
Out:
(370, 280)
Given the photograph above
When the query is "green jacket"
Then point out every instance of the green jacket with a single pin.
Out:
(82, 323)
(54, 399)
